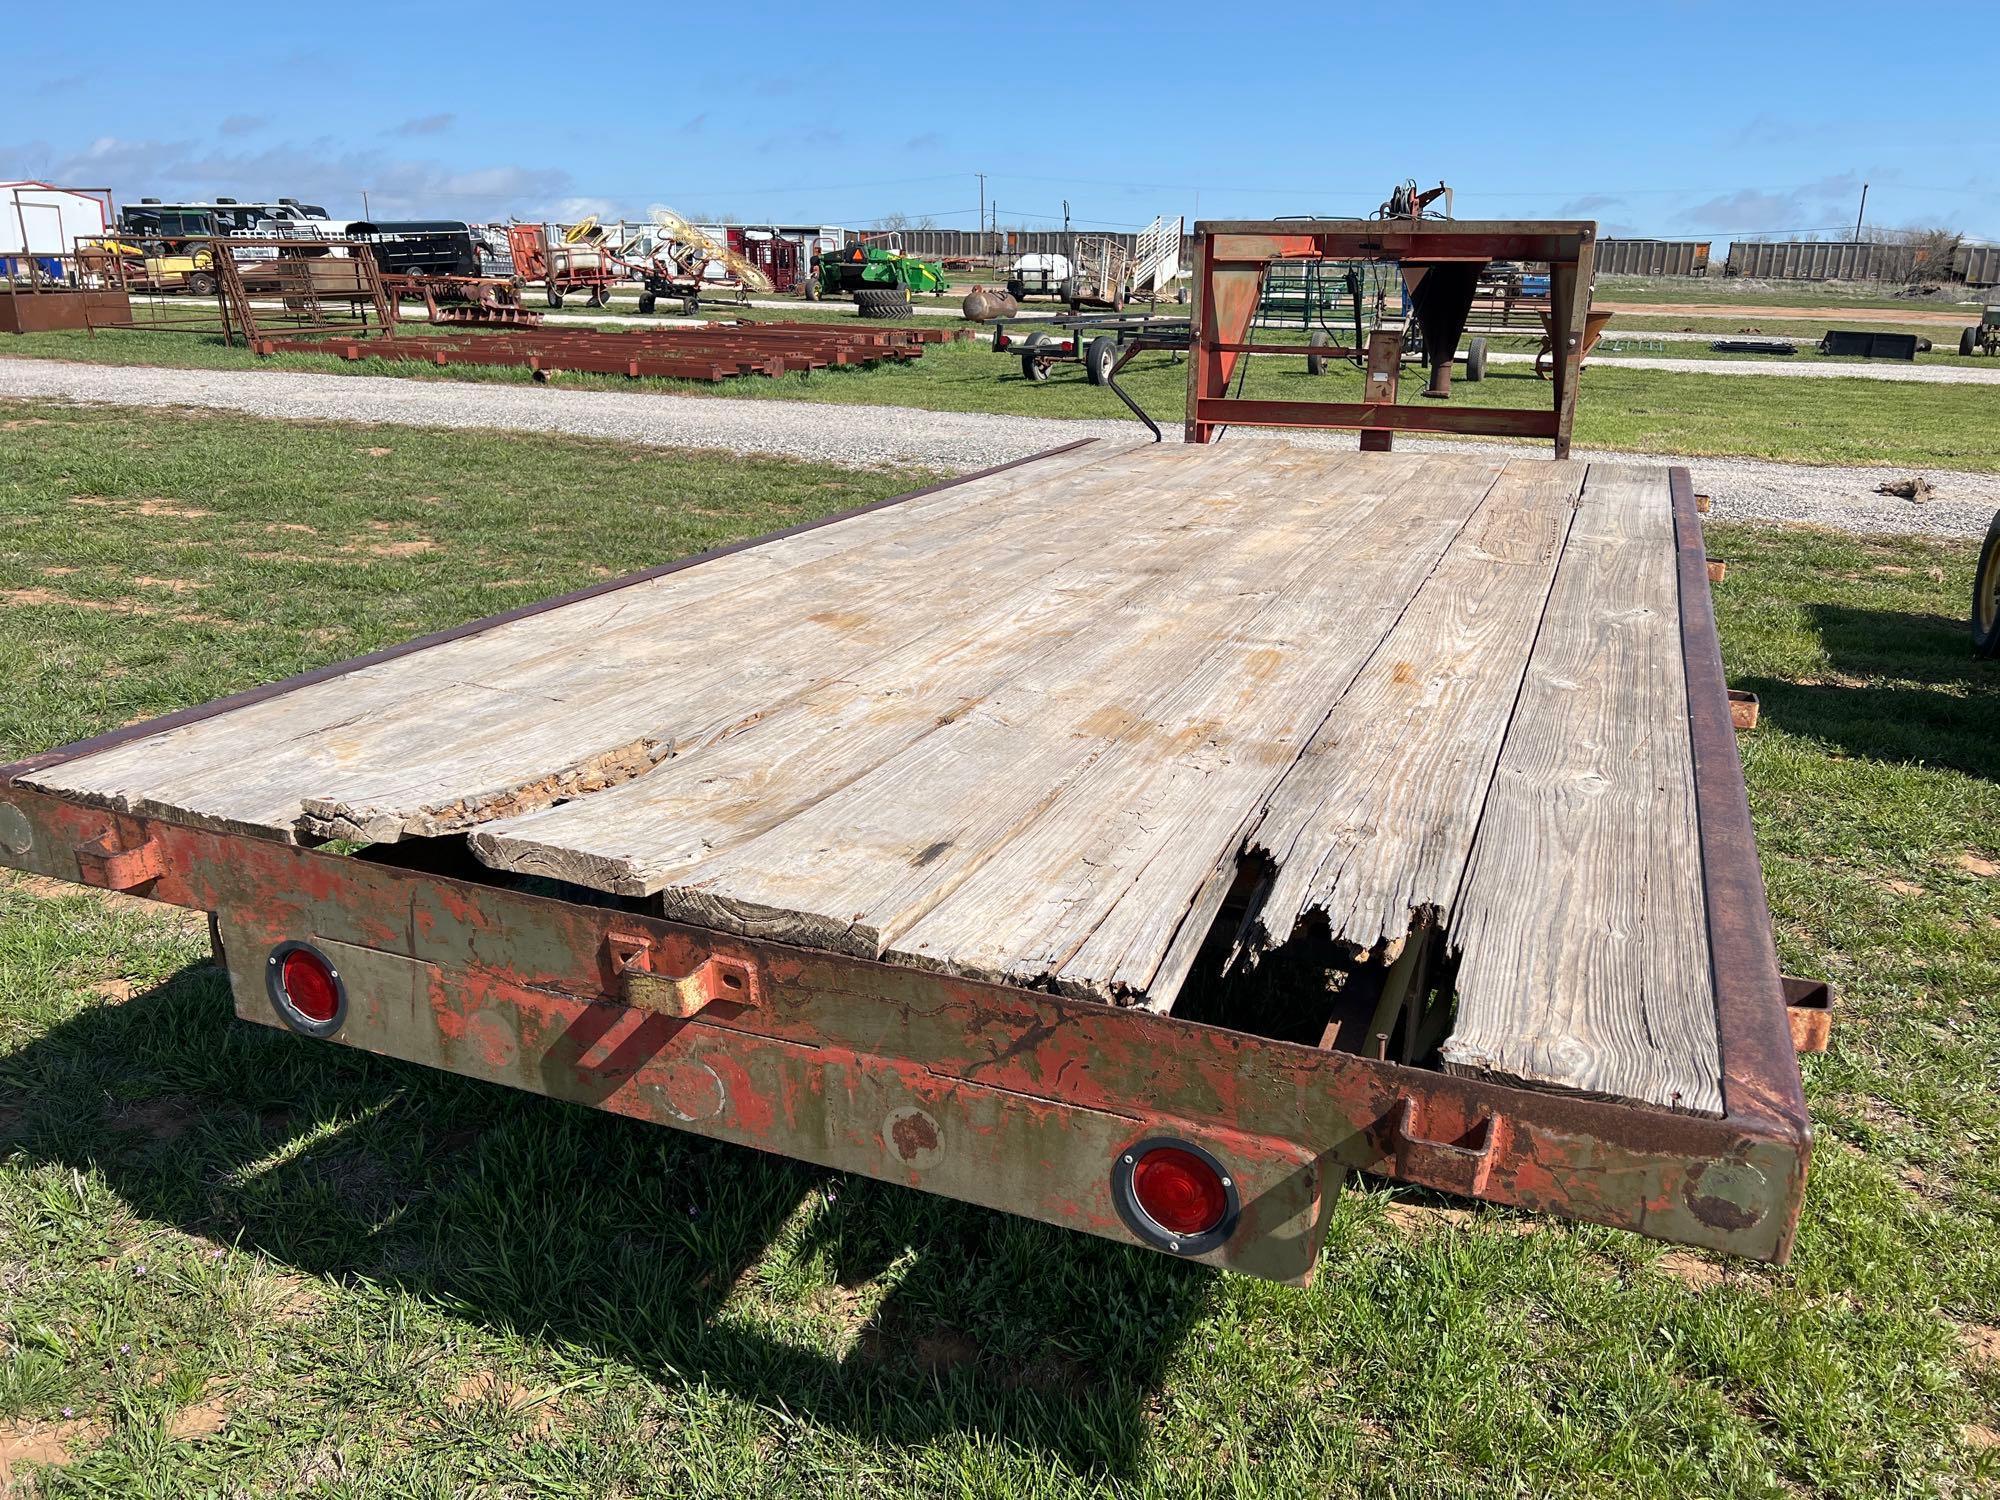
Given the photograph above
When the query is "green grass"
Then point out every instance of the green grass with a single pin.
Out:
(1730, 291)
(242, 1263)
(1855, 421)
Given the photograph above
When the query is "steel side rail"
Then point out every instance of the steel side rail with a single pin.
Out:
(1009, 1098)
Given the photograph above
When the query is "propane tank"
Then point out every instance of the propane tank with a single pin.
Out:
(982, 306)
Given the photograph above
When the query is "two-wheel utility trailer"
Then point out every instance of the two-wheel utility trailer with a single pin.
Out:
(1097, 341)
(1142, 838)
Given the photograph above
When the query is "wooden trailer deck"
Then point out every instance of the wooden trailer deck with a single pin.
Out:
(1034, 727)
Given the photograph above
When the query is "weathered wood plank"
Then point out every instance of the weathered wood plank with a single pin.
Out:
(1146, 831)
(580, 697)
(859, 866)
(1377, 818)
(758, 772)
(1583, 952)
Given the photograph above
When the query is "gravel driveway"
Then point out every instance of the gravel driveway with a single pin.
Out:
(1743, 489)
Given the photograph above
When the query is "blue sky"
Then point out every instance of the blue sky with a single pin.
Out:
(1673, 119)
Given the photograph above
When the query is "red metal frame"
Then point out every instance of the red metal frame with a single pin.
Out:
(1006, 1097)
(1231, 258)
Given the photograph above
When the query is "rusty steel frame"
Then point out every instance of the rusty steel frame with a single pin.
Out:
(1014, 1099)
(713, 351)
(1231, 257)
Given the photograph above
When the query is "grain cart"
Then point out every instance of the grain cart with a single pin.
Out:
(1257, 861)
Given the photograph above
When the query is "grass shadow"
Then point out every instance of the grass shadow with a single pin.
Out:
(686, 1259)
(1904, 687)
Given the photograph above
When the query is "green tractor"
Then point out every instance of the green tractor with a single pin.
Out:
(879, 277)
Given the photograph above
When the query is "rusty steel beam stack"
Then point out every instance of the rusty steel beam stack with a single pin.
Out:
(713, 351)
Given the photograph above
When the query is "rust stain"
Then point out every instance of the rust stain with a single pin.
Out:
(913, 1135)
(840, 619)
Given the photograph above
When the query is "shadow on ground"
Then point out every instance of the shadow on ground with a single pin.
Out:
(564, 1223)
(1937, 707)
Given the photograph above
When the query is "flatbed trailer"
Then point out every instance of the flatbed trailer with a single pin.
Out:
(976, 841)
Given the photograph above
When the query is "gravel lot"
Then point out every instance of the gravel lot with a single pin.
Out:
(1743, 489)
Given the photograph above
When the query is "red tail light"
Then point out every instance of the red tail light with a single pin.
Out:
(306, 989)
(1001, 341)
(1178, 1190)
(1175, 1196)
(1068, 347)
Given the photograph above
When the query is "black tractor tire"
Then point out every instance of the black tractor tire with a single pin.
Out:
(600, 296)
(1031, 367)
(201, 284)
(1319, 339)
(1986, 596)
(1968, 341)
(883, 302)
(1066, 289)
(1017, 289)
(1475, 360)
(690, 306)
(555, 297)
(1099, 355)
(647, 302)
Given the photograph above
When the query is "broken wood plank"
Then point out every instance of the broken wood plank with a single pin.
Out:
(1376, 821)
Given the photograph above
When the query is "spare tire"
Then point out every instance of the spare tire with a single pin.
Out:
(1031, 367)
(1475, 359)
(1968, 341)
(882, 302)
(1316, 363)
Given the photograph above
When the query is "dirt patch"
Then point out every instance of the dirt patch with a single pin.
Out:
(1415, 1216)
(378, 452)
(162, 1119)
(57, 572)
(204, 1419)
(31, 597)
(1978, 864)
(173, 585)
(15, 424)
(1902, 887)
(412, 548)
(1690, 1270)
(944, 1349)
(39, 1443)
(113, 991)
(487, 1389)
(1979, 1439)
(1981, 1342)
(170, 509)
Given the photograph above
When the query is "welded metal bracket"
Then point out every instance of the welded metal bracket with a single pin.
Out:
(100, 863)
(1809, 1011)
(1460, 1166)
(717, 978)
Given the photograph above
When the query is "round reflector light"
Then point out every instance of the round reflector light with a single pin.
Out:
(306, 989)
(309, 985)
(1175, 1196)
(1179, 1191)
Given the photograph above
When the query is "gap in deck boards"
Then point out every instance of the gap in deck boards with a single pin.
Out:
(1318, 992)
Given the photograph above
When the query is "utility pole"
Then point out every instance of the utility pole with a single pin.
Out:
(364, 205)
(982, 200)
(1861, 211)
